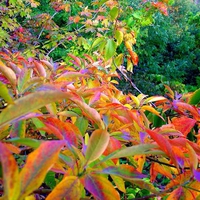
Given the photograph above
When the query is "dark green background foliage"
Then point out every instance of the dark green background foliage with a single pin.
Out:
(169, 51)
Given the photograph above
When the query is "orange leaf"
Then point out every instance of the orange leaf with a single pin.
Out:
(134, 57)
(37, 165)
(11, 180)
(164, 144)
(183, 124)
(68, 188)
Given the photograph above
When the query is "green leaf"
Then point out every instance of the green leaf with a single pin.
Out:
(195, 98)
(29, 103)
(114, 13)
(97, 144)
(38, 125)
(11, 181)
(37, 165)
(110, 49)
(68, 188)
(82, 124)
(26, 141)
(4, 93)
(97, 41)
(125, 171)
(119, 36)
(141, 149)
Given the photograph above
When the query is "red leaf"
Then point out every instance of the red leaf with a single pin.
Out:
(63, 130)
(164, 144)
(183, 124)
(113, 145)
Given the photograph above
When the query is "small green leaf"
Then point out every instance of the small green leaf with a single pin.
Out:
(119, 36)
(195, 98)
(97, 41)
(82, 124)
(26, 141)
(114, 13)
(110, 49)
(4, 93)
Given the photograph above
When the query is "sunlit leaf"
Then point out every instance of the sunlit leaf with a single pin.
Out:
(29, 103)
(97, 144)
(68, 188)
(119, 36)
(11, 181)
(37, 165)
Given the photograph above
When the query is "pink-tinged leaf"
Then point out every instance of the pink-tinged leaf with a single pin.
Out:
(95, 98)
(177, 194)
(183, 124)
(125, 171)
(48, 64)
(18, 129)
(40, 69)
(183, 107)
(63, 130)
(37, 165)
(97, 144)
(76, 61)
(100, 187)
(11, 181)
(164, 144)
(68, 188)
(8, 73)
(30, 102)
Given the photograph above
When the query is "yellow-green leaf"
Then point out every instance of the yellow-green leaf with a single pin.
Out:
(110, 49)
(4, 93)
(195, 98)
(119, 36)
(11, 180)
(68, 188)
(37, 165)
(114, 13)
(97, 144)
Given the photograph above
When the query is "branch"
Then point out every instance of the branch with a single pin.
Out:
(163, 163)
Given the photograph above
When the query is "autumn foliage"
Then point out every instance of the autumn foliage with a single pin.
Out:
(68, 132)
